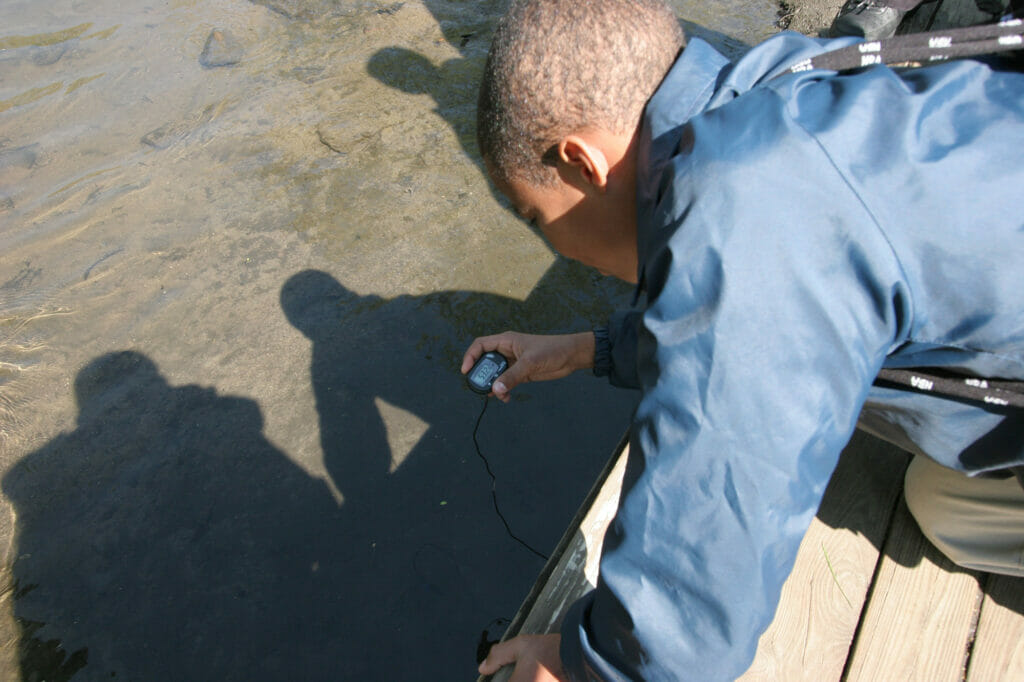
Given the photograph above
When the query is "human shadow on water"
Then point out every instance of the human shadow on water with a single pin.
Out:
(444, 564)
(166, 538)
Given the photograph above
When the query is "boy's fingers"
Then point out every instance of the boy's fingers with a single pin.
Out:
(535, 657)
(473, 353)
(498, 342)
(501, 654)
(469, 359)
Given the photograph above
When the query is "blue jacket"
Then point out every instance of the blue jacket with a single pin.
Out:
(795, 235)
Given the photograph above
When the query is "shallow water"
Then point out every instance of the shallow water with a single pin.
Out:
(234, 440)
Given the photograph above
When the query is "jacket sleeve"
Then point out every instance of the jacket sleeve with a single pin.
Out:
(615, 349)
(770, 312)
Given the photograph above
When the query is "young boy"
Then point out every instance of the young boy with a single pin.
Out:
(791, 236)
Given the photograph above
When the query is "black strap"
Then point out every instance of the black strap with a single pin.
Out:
(928, 47)
(921, 47)
(992, 392)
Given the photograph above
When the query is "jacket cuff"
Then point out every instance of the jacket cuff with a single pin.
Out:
(622, 344)
(602, 352)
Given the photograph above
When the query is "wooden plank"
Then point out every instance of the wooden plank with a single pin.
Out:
(998, 653)
(823, 597)
(921, 613)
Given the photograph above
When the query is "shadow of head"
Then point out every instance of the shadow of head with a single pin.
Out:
(452, 85)
(122, 377)
(406, 70)
(313, 301)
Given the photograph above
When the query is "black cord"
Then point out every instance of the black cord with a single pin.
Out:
(494, 483)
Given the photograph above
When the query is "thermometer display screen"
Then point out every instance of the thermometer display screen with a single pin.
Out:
(488, 368)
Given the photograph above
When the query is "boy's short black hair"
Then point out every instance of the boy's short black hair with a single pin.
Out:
(557, 66)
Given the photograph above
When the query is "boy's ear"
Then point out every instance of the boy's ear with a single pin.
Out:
(585, 158)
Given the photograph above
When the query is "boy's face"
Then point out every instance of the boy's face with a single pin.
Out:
(595, 228)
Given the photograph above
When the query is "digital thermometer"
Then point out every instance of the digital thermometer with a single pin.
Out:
(488, 368)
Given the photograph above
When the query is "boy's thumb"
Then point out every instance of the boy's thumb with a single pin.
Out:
(504, 384)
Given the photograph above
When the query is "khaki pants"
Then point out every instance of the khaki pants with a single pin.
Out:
(977, 522)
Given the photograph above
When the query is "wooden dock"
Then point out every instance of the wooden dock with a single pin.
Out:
(869, 598)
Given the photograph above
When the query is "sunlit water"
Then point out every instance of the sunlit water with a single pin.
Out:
(274, 478)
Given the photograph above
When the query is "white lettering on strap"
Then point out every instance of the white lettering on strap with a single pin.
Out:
(1010, 40)
(921, 383)
(870, 47)
(869, 59)
(940, 41)
(977, 383)
(802, 65)
(995, 401)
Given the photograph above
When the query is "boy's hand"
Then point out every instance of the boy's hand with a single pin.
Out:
(532, 357)
(535, 657)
